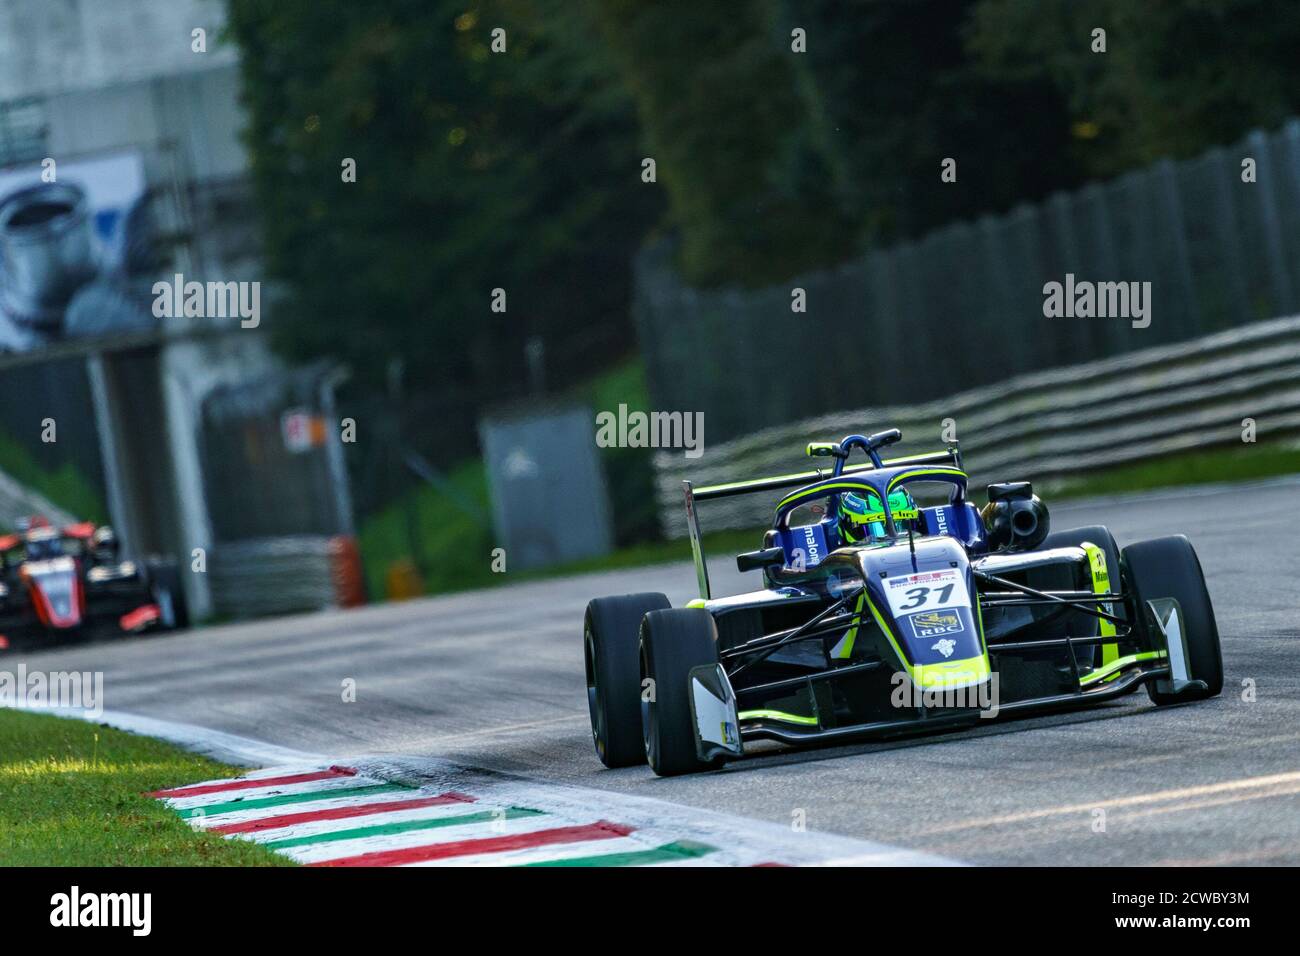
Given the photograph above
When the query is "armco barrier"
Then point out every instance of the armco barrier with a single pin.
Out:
(284, 575)
(1043, 426)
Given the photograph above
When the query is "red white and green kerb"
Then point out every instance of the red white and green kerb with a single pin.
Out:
(335, 816)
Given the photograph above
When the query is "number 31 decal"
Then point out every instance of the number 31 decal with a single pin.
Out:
(920, 596)
(927, 591)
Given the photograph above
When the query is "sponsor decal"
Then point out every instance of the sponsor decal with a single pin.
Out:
(926, 591)
(729, 735)
(944, 647)
(814, 553)
(934, 623)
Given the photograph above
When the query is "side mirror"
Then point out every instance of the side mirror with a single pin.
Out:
(881, 439)
(822, 449)
(757, 560)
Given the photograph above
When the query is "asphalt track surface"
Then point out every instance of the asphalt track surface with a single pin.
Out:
(494, 679)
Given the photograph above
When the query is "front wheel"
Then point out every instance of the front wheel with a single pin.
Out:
(610, 635)
(673, 643)
(1169, 568)
(1105, 577)
(169, 594)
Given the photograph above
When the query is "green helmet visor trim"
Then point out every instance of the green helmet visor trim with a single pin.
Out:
(862, 516)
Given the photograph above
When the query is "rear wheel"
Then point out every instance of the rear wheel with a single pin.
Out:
(610, 633)
(1169, 568)
(672, 643)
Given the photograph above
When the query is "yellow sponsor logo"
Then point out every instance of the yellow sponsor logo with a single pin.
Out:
(936, 619)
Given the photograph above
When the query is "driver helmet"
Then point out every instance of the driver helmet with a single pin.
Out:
(861, 517)
(43, 543)
(104, 542)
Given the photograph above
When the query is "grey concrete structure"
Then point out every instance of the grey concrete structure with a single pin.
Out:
(81, 79)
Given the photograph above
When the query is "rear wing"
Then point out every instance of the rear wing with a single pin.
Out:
(949, 456)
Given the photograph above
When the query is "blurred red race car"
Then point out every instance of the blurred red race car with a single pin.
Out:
(73, 582)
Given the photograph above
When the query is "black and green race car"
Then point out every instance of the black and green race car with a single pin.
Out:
(939, 615)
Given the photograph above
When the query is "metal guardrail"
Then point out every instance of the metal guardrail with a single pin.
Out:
(284, 575)
(1043, 426)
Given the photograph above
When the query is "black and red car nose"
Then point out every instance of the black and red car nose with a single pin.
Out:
(56, 592)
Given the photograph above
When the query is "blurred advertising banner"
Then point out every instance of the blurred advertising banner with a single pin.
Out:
(76, 251)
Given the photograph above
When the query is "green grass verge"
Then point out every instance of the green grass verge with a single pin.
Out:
(74, 794)
(1235, 463)
(456, 548)
(453, 546)
(623, 384)
(65, 486)
(458, 551)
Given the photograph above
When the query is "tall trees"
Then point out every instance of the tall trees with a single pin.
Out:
(726, 121)
(477, 168)
(1174, 80)
(519, 167)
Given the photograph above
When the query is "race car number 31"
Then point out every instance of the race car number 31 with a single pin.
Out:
(927, 591)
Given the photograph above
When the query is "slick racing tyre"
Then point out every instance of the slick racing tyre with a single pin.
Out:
(1169, 568)
(167, 592)
(1078, 623)
(672, 643)
(610, 633)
